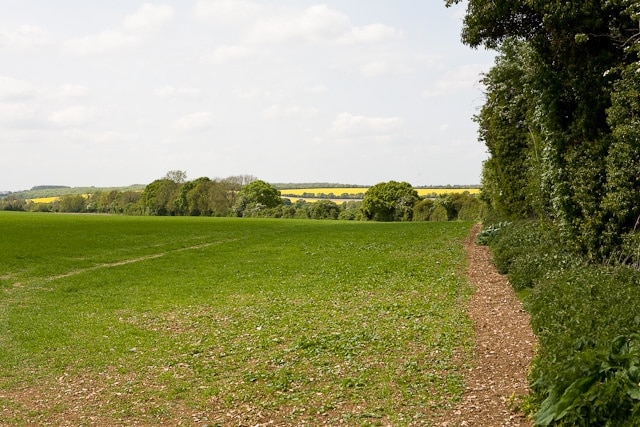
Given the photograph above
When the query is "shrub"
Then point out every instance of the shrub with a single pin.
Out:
(587, 369)
(489, 232)
(527, 250)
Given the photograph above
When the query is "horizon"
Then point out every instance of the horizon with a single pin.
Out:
(306, 185)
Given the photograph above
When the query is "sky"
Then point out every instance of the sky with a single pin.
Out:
(119, 92)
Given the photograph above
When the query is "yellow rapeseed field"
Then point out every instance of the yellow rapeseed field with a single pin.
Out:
(52, 199)
(44, 199)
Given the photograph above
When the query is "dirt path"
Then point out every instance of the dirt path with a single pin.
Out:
(504, 347)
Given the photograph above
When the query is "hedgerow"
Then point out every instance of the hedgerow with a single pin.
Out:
(527, 250)
(587, 368)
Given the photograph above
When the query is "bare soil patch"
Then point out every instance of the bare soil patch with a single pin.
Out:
(497, 377)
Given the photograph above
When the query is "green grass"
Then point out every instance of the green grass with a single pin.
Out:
(123, 320)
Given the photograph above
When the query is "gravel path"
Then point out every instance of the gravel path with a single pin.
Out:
(503, 349)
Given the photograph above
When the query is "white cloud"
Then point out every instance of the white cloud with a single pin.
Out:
(71, 117)
(374, 33)
(318, 23)
(225, 12)
(254, 94)
(101, 42)
(73, 91)
(25, 36)
(14, 89)
(277, 111)
(225, 54)
(318, 89)
(346, 124)
(194, 122)
(148, 18)
(385, 68)
(177, 92)
(459, 80)
(15, 115)
(376, 69)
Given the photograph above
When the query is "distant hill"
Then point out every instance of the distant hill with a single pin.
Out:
(48, 187)
(42, 191)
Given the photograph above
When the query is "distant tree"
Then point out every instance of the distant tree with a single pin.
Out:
(439, 213)
(256, 196)
(222, 197)
(177, 176)
(390, 201)
(241, 180)
(158, 198)
(12, 203)
(74, 203)
(324, 209)
(422, 210)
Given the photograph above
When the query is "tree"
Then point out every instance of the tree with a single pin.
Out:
(390, 201)
(570, 59)
(74, 203)
(504, 129)
(257, 195)
(177, 176)
(158, 198)
(621, 204)
(324, 209)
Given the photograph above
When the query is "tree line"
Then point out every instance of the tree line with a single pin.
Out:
(247, 196)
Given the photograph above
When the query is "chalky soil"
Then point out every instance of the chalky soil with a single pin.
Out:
(504, 346)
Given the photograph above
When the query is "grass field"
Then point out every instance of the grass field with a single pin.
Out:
(112, 320)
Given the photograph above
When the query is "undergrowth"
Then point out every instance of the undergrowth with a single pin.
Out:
(587, 368)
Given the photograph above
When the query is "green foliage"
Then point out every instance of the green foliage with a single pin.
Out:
(622, 200)
(158, 198)
(503, 128)
(560, 118)
(324, 209)
(12, 203)
(528, 250)
(587, 369)
(390, 201)
(73, 203)
(439, 214)
(422, 210)
(489, 233)
(256, 197)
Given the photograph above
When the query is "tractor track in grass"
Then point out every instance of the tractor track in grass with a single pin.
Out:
(131, 260)
(19, 284)
(496, 380)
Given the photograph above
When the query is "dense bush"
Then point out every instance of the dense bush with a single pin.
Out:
(587, 368)
(527, 250)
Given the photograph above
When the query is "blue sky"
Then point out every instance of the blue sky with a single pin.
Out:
(353, 91)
